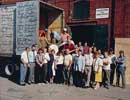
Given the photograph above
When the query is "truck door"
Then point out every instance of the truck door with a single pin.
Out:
(7, 29)
(27, 24)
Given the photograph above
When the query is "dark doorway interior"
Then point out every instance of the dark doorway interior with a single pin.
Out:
(97, 34)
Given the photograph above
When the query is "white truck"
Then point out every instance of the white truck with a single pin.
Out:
(19, 28)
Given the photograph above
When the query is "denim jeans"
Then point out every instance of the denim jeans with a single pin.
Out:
(23, 72)
(112, 73)
(121, 72)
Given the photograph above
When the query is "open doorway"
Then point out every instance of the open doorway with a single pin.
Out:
(97, 34)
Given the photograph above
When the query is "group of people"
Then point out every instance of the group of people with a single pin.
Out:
(64, 62)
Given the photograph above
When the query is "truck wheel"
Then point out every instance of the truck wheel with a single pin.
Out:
(9, 69)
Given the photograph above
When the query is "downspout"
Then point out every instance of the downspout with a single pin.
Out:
(112, 35)
(124, 17)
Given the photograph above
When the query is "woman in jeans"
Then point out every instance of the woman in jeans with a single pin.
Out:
(121, 69)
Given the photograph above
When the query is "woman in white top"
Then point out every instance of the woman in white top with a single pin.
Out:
(97, 65)
(59, 68)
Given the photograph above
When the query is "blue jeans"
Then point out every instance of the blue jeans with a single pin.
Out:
(121, 72)
(23, 72)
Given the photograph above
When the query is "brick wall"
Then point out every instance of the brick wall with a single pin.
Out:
(122, 18)
(127, 18)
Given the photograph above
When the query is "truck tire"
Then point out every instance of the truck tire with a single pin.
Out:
(9, 69)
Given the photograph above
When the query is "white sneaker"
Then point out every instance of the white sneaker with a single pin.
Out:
(43, 83)
(39, 83)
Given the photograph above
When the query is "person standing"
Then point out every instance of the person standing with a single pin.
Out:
(43, 40)
(51, 65)
(80, 46)
(121, 69)
(59, 67)
(64, 35)
(113, 65)
(85, 48)
(106, 70)
(88, 65)
(45, 64)
(39, 67)
(79, 65)
(97, 64)
(32, 60)
(73, 71)
(67, 67)
(24, 66)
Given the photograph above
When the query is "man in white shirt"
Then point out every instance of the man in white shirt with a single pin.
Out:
(106, 70)
(67, 67)
(24, 65)
(113, 65)
(32, 59)
(45, 64)
(88, 65)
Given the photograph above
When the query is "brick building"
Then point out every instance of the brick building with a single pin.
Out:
(103, 22)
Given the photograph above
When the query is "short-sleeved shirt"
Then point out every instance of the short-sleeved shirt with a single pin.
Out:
(107, 67)
(64, 37)
(67, 59)
(32, 56)
(97, 63)
(113, 58)
(24, 57)
(88, 59)
(46, 58)
(40, 58)
(59, 60)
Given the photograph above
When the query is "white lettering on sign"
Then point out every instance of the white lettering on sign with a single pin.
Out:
(7, 29)
(26, 24)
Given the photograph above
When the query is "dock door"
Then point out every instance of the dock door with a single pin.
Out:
(97, 34)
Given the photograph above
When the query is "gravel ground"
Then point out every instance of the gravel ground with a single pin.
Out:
(12, 91)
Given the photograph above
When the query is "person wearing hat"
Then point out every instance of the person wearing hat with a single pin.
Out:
(121, 69)
(64, 35)
(97, 66)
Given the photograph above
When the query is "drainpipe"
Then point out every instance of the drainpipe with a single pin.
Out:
(124, 17)
(112, 36)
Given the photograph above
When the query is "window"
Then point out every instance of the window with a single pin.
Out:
(81, 9)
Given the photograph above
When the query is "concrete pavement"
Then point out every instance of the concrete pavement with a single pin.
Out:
(12, 91)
